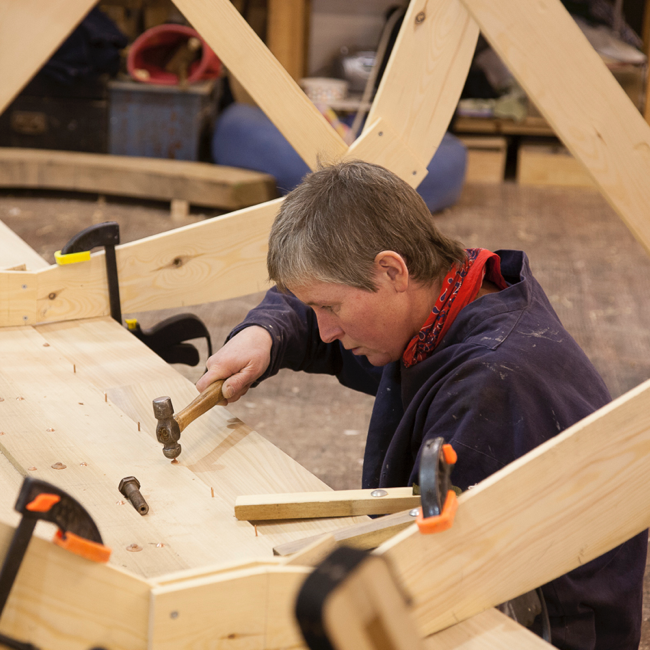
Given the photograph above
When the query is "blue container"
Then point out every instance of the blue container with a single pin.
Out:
(159, 121)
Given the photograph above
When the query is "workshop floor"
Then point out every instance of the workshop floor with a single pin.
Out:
(595, 274)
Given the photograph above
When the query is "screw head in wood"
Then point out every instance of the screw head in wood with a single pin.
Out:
(379, 493)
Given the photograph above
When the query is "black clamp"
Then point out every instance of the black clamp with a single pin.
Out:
(78, 249)
(167, 338)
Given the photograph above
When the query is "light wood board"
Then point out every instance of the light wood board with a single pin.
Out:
(62, 601)
(225, 454)
(308, 505)
(198, 183)
(490, 630)
(14, 252)
(426, 72)
(211, 260)
(30, 31)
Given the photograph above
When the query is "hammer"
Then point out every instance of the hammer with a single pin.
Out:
(169, 428)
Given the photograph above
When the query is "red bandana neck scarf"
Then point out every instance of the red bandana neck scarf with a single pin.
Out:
(459, 287)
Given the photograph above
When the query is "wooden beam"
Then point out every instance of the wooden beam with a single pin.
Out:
(563, 504)
(30, 32)
(380, 145)
(428, 66)
(365, 535)
(490, 630)
(204, 184)
(212, 260)
(310, 505)
(14, 252)
(578, 96)
(270, 85)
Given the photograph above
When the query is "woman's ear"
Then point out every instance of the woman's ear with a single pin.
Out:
(392, 269)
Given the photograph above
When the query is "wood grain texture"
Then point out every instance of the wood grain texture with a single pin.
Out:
(379, 144)
(220, 450)
(61, 601)
(365, 535)
(198, 183)
(212, 260)
(275, 92)
(559, 506)
(252, 607)
(15, 252)
(30, 31)
(309, 505)
(490, 630)
(578, 96)
(53, 418)
(420, 89)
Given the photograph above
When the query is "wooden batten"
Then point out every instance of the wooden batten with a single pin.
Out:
(310, 505)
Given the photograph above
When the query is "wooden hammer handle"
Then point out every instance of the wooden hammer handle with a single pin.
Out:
(211, 396)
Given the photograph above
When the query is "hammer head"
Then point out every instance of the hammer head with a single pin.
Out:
(167, 431)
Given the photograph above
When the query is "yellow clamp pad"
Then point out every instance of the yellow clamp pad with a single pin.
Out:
(71, 258)
(131, 323)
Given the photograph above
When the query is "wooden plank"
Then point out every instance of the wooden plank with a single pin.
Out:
(52, 416)
(313, 553)
(561, 505)
(286, 34)
(229, 188)
(224, 453)
(490, 630)
(309, 505)
(275, 92)
(550, 165)
(578, 96)
(255, 607)
(420, 89)
(14, 251)
(211, 260)
(30, 31)
(365, 535)
(379, 144)
(61, 601)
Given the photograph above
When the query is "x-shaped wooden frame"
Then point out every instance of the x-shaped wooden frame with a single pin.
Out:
(563, 504)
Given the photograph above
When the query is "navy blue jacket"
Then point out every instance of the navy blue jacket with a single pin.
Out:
(506, 377)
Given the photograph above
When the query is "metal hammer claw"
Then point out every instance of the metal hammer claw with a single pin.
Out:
(168, 430)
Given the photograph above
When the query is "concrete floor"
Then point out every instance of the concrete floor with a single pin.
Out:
(595, 274)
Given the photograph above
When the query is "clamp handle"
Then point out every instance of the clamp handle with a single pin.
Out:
(78, 249)
(439, 502)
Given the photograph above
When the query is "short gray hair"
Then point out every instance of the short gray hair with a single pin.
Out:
(333, 225)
